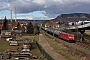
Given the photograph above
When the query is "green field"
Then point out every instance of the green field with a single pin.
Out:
(4, 45)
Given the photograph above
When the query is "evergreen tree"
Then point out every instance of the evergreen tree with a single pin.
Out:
(36, 28)
(5, 24)
(30, 28)
(18, 26)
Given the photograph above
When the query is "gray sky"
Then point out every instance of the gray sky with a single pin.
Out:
(44, 9)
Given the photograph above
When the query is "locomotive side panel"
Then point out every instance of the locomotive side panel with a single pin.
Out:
(66, 36)
(71, 37)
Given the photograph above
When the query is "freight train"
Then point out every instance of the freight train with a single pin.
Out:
(63, 35)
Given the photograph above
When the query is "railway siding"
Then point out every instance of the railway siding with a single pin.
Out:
(75, 46)
(81, 49)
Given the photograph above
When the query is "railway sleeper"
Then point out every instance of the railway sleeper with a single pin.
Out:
(74, 46)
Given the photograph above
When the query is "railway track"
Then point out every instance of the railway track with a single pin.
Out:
(82, 50)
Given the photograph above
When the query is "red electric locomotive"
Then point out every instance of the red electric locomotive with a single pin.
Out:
(66, 36)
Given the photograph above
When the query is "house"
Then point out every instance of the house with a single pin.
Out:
(26, 45)
(6, 32)
(55, 24)
(51, 24)
(1, 25)
(47, 24)
(16, 32)
(8, 39)
(13, 43)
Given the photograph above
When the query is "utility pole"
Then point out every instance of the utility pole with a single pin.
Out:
(82, 32)
(15, 14)
(77, 30)
(53, 30)
(11, 15)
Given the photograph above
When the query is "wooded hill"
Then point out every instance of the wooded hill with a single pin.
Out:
(72, 17)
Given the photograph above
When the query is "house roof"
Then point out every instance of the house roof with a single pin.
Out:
(51, 23)
(6, 30)
(47, 23)
(14, 24)
(54, 23)
(1, 26)
(10, 25)
(26, 41)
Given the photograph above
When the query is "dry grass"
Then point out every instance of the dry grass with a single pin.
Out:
(87, 32)
(59, 50)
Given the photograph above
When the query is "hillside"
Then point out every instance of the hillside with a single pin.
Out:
(72, 17)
